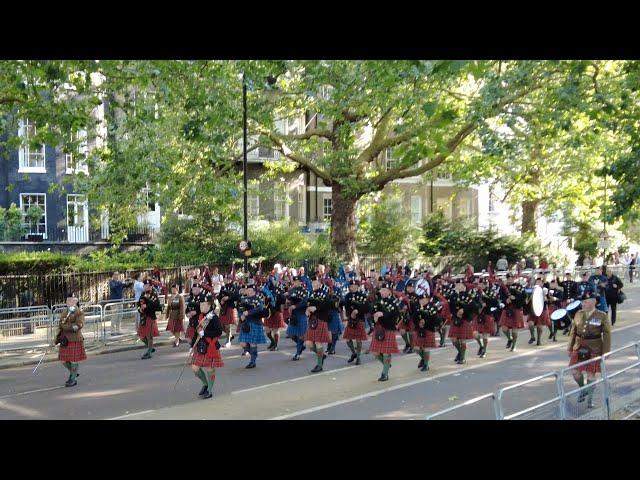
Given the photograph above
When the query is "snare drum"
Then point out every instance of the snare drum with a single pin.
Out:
(561, 319)
(574, 307)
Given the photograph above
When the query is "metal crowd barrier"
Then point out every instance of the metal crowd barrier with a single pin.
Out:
(616, 387)
(24, 327)
(92, 330)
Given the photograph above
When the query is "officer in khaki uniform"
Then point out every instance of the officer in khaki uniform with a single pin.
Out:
(590, 337)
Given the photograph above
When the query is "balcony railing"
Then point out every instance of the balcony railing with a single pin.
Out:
(143, 233)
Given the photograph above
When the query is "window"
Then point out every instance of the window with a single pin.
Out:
(464, 207)
(80, 164)
(301, 212)
(77, 218)
(32, 200)
(280, 202)
(416, 209)
(327, 208)
(253, 205)
(492, 207)
(30, 159)
(150, 199)
(389, 161)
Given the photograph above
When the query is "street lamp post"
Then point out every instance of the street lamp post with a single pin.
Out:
(244, 165)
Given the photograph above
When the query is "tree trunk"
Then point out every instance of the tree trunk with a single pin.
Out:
(529, 217)
(343, 225)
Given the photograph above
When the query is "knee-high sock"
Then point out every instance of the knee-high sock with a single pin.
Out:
(591, 389)
(485, 342)
(276, 339)
(463, 349)
(150, 344)
(320, 355)
(358, 347)
(67, 365)
(426, 356)
(579, 380)
(478, 340)
(270, 337)
(508, 334)
(380, 358)
(350, 345)
(210, 378)
(201, 375)
(514, 334)
(409, 337)
(253, 351)
(299, 345)
(386, 363)
(74, 369)
(456, 344)
(420, 353)
(531, 331)
(539, 332)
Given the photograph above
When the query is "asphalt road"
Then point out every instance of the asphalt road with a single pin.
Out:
(121, 385)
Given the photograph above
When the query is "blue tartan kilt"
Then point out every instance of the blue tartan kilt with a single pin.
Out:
(255, 335)
(300, 329)
(335, 322)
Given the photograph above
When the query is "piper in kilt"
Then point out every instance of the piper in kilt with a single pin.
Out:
(297, 298)
(275, 321)
(357, 307)
(445, 293)
(466, 310)
(70, 339)
(485, 324)
(228, 298)
(252, 332)
(335, 318)
(427, 322)
(192, 309)
(409, 302)
(175, 314)
(205, 348)
(512, 318)
(318, 335)
(590, 336)
(148, 305)
(386, 315)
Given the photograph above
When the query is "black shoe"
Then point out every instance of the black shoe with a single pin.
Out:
(232, 337)
(550, 336)
(484, 353)
(203, 390)
(509, 343)
(251, 365)
(303, 349)
(424, 368)
(207, 395)
(153, 350)
(70, 383)
(441, 343)
(352, 358)
(480, 351)
(457, 357)
(461, 361)
(421, 364)
(146, 356)
(316, 369)
(296, 357)
(538, 343)
(358, 361)
(554, 338)
(383, 378)
(410, 350)
(513, 348)
(275, 348)
(531, 340)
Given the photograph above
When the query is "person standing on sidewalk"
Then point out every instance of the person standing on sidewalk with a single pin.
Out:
(590, 336)
(612, 291)
(632, 266)
(206, 356)
(116, 287)
(70, 338)
(138, 290)
(175, 314)
(148, 305)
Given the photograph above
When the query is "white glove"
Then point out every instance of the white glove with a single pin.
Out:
(190, 350)
(75, 328)
(201, 333)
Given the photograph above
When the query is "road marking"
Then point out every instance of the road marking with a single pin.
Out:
(422, 380)
(131, 415)
(31, 391)
(306, 377)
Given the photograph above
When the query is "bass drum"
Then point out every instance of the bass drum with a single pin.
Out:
(537, 300)
(561, 319)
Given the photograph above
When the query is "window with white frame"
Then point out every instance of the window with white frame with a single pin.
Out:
(327, 208)
(31, 159)
(416, 209)
(78, 163)
(280, 202)
(464, 207)
(29, 201)
(389, 160)
(300, 192)
(150, 199)
(253, 204)
(492, 207)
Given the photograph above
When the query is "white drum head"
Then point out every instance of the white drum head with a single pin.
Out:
(537, 300)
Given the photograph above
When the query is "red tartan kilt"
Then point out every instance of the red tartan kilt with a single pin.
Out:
(175, 325)
(230, 317)
(552, 308)
(358, 333)
(73, 352)
(428, 341)
(211, 359)
(388, 345)
(489, 325)
(593, 367)
(464, 331)
(517, 321)
(286, 315)
(542, 320)
(275, 321)
(319, 335)
(190, 332)
(150, 328)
